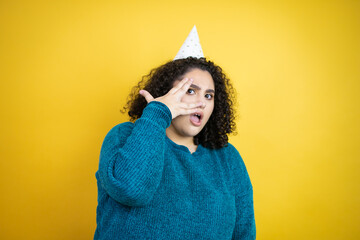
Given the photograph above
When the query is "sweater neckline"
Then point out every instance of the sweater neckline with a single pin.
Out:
(183, 148)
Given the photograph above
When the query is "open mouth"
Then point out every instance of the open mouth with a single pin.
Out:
(196, 118)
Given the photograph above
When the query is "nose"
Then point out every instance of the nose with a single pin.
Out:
(203, 105)
(200, 100)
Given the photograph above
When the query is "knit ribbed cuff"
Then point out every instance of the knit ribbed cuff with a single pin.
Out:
(158, 112)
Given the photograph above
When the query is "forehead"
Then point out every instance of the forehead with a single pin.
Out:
(201, 78)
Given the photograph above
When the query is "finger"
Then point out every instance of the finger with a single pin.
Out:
(189, 111)
(146, 95)
(179, 85)
(184, 88)
(192, 105)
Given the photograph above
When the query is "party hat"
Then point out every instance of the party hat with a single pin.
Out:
(191, 46)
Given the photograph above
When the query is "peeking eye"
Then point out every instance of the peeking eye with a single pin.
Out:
(190, 91)
(208, 96)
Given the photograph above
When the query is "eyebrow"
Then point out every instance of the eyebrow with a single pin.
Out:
(199, 88)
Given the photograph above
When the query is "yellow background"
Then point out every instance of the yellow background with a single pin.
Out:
(66, 68)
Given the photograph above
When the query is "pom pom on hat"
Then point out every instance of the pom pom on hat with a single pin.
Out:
(191, 47)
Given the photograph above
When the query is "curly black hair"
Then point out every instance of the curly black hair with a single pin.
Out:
(160, 80)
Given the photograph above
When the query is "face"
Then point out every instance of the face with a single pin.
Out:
(201, 90)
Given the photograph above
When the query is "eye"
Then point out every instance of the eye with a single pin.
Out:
(209, 96)
(191, 91)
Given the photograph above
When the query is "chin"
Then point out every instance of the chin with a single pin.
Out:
(194, 131)
(182, 127)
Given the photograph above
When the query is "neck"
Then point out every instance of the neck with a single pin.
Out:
(181, 140)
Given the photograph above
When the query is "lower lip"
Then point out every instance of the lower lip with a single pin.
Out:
(197, 124)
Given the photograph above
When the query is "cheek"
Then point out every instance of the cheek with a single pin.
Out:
(179, 120)
(211, 110)
(211, 107)
(186, 98)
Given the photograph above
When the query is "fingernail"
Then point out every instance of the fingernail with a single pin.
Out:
(141, 91)
(191, 79)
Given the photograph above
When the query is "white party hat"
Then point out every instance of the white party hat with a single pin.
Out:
(191, 47)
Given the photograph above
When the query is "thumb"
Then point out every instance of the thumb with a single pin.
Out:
(146, 95)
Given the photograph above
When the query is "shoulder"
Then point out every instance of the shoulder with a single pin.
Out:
(231, 153)
(231, 157)
(230, 149)
(236, 158)
(119, 132)
(122, 127)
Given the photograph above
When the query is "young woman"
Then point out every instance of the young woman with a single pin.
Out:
(171, 173)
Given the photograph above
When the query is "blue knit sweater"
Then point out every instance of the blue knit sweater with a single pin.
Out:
(151, 188)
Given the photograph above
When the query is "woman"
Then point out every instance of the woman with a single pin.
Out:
(172, 173)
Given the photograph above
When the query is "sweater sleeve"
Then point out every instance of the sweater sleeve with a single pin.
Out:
(132, 157)
(245, 228)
